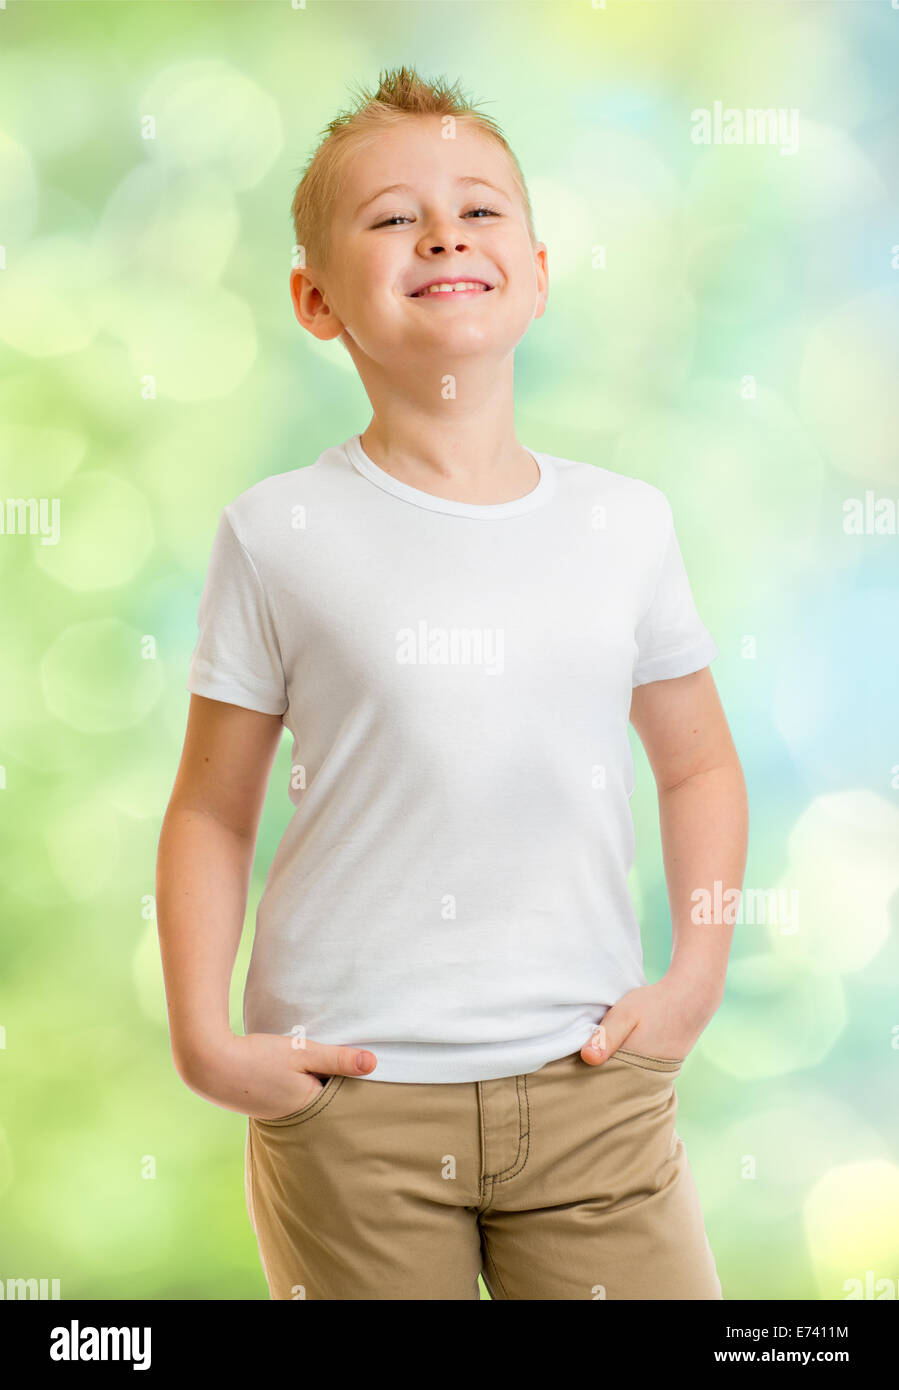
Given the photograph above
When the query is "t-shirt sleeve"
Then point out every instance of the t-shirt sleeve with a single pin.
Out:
(671, 637)
(237, 657)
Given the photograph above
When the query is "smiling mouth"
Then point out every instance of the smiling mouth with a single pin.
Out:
(447, 290)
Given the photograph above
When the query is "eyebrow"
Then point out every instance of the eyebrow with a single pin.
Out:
(466, 179)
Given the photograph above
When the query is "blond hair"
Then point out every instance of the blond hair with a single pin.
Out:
(400, 93)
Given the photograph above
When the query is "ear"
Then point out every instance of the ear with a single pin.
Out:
(542, 268)
(311, 307)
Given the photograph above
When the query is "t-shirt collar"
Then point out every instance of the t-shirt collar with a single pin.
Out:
(484, 511)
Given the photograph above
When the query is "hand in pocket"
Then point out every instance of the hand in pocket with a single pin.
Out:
(663, 1020)
(266, 1076)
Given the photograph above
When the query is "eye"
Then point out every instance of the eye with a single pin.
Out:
(399, 217)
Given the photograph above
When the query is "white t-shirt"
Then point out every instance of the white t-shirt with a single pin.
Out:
(451, 889)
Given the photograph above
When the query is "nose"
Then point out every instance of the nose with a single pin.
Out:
(459, 246)
(440, 237)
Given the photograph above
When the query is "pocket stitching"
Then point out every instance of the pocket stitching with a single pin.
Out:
(641, 1058)
(310, 1110)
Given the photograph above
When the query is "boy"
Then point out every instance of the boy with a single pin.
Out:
(455, 629)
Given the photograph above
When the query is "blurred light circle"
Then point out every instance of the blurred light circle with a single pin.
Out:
(105, 534)
(851, 1221)
(787, 1143)
(757, 185)
(566, 225)
(208, 115)
(847, 385)
(781, 1016)
(738, 274)
(836, 685)
(193, 344)
(19, 194)
(173, 224)
(74, 835)
(58, 93)
(844, 869)
(94, 679)
(37, 457)
(715, 454)
(612, 189)
(48, 297)
(803, 55)
(96, 1203)
(622, 170)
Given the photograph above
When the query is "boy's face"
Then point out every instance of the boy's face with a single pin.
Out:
(387, 245)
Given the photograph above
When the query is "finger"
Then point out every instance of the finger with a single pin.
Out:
(338, 1060)
(602, 1044)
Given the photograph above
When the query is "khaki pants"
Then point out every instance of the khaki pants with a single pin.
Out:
(570, 1182)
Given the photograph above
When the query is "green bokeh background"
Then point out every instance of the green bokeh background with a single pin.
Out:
(739, 348)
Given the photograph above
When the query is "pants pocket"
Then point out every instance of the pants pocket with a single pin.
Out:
(640, 1059)
(308, 1111)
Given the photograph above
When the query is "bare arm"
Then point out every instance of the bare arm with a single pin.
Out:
(206, 850)
(704, 821)
(703, 814)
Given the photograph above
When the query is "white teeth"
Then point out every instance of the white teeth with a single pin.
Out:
(450, 289)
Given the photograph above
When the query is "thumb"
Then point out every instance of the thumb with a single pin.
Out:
(607, 1037)
(337, 1060)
